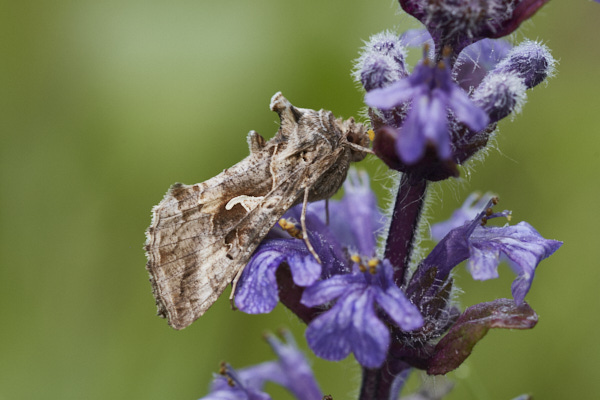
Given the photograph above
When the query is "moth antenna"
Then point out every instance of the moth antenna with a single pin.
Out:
(304, 231)
(360, 148)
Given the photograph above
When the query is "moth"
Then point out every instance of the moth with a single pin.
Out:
(202, 235)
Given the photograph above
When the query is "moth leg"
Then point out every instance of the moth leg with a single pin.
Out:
(273, 174)
(233, 286)
(360, 148)
(304, 231)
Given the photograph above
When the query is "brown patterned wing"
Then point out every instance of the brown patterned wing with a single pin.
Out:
(195, 246)
(189, 260)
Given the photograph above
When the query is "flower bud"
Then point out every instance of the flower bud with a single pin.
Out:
(381, 62)
(530, 61)
(500, 94)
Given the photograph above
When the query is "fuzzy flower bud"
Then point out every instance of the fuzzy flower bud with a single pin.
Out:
(530, 61)
(502, 91)
(381, 62)
(500, 94)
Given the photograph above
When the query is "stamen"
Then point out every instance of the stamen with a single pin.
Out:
(364, 266)
(371, 134)
(373, 263)
(426, 60)
(291, 228)
(446, 51)
(226, 371)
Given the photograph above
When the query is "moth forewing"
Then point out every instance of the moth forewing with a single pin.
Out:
(203, 235)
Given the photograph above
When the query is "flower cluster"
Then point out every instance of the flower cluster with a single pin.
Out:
(437, 117)
(359, 287)
(357, 305)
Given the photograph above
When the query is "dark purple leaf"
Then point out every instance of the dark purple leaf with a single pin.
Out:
(472, 326)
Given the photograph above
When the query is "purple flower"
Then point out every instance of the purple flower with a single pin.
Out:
(483, 246)
(257, 291)
(470, 209)
(352, 223)
(431, 92)
(291, 371)
(355, 219)
(439, 116)
(234, 385)
(354, 324)
(365, 297)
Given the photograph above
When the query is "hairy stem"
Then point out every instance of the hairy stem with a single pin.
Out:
(384, 383)
(404, 224)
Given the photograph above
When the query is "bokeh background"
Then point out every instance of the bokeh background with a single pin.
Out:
(105, 104)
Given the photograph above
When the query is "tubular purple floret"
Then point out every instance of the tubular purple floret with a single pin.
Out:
(531, 61)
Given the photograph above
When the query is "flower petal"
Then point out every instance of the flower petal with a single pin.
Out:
(405, 314)
(294, 372)
(435, 123)
(257, 290)
(330, 289)
(410, 144)
(521, 243)
(466, 111)
(304, 267)
(351, 325)
(371, 337)
(329, 334)
(390, 96)
(483, 261)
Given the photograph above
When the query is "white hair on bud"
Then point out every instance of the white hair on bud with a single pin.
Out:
(382, 54)
(501, 93)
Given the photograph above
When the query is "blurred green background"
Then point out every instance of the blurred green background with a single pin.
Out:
(105, 104)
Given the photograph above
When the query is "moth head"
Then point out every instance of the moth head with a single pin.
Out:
(357, 136)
